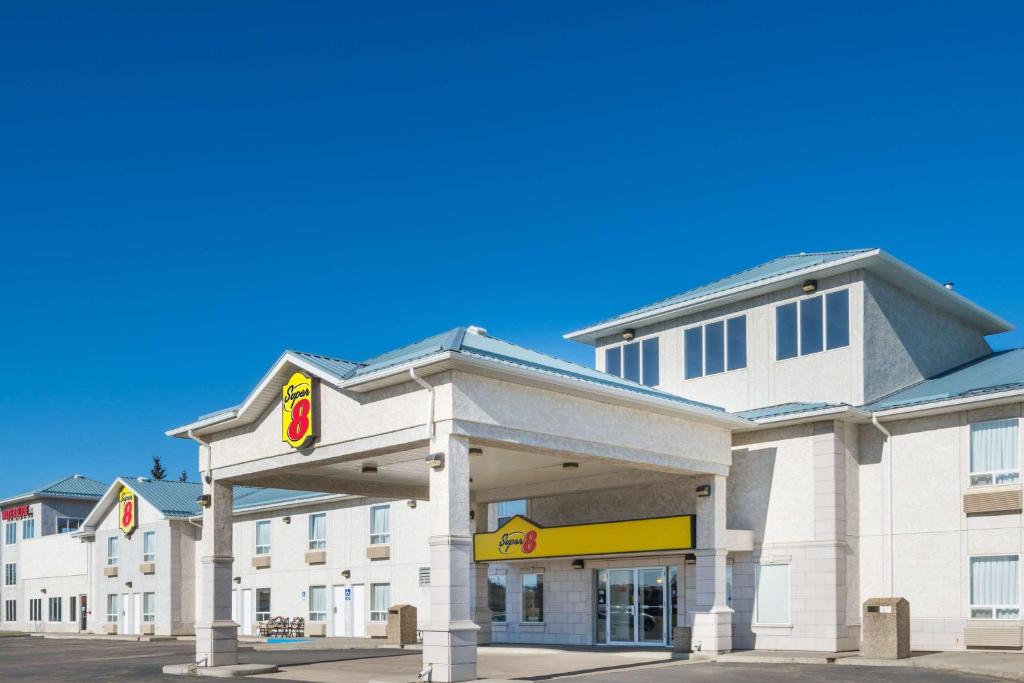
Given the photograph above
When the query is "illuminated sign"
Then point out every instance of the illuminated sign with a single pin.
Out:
(297, 411)
(127, 511)
(521, 539)
(18, 512)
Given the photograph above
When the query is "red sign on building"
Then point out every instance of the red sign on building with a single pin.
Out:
(18, 512)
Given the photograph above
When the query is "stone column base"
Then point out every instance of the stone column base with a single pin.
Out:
(449, 649)
(217, 643)
(712, 631)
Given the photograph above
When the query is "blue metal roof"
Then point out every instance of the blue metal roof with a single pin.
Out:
(1000, 371)
(75, 486)
(178, 498)
(249, 497)
(764, 271)
(781, 409)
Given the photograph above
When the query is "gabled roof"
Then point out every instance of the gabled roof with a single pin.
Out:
(788, 270)
(998, 372)
(467, 343)
(75, 487)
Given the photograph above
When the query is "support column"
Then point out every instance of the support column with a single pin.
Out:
(216, 633)
(712, 617)
(481, 608)
(449, 638)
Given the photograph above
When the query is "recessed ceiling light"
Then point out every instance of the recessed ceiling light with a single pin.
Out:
(369, 469)
(570, 465)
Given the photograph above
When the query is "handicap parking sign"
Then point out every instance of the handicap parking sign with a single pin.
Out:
(348, 593)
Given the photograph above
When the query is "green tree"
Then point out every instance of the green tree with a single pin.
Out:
(183, 476)
(158, 472)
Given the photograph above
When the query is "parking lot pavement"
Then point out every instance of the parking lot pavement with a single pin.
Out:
(776, 673)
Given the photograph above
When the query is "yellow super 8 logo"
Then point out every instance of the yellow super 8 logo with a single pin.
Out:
(297, 411)
(128, 511)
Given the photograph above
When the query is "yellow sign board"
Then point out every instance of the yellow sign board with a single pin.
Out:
(522, 539)
(128, 511)
(297, 411)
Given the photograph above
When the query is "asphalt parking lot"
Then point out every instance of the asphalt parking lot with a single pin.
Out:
(39, 659)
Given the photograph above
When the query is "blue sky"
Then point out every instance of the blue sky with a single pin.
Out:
(187, 189)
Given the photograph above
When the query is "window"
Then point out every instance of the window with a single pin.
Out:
(263, 537)
(637, 361)
(715, 347)
(28, 529)
(10, 610)
(995, 452)
(262, 604)
(10, 574)
(112, 611)
(812, 325)
(380, 524)
(507, 509)
(380, 600)
(55, 613)
(66, 525)
(772, 594)
(533, 598)
(35, 609)
(148, 608)
(149, 546)
(111, 550)
(72, 605)
(317, 603)
(496, 590)
(318, 531)
(11, 533)
(995, 587)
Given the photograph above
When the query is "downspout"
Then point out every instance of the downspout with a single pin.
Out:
(209, 455)
(430, 409)
(888, 442)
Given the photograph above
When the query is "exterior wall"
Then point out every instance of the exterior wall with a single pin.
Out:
(907, 340)
(833, 376)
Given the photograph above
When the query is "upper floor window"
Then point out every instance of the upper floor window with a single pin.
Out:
(715, 347)
(111, 550)
(812, 324)
(28, 529)
(149, 546)
(263, 537)
(636, 361)
(318, 531)
(11, 533)
(507, 509)
(380, 524)
(66, 525)
(10, 574)
(995, 452)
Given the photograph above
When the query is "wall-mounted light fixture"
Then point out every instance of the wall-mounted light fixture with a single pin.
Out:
(476, 451)
(411, 503)
(435, 460)
(628, 334)
(238, 579)
(570, 465)
(369, 469)
(577, 564)
(472, 515)
(287, 519)
(346, 573)
(704, 490)
(128, 584)
(43, 591)
(810, 286)
(204, 500)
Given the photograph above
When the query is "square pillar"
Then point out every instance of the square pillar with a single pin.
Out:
(712, 617)
(216, 633)
(449, 638)
(481, 609)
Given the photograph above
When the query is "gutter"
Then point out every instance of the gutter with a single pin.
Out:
(431, 429)
(209, 454)
(888, 443)
(857, 415)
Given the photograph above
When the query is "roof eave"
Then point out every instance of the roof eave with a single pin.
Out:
(846, 413)
(948, 405)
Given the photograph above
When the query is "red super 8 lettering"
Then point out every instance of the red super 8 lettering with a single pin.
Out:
(15, 513)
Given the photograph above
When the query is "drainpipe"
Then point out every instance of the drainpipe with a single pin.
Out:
(888, 442)
(430, 409)
(209, 455)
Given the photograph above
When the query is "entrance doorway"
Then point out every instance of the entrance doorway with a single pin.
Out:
(632, 606)
(245, 611)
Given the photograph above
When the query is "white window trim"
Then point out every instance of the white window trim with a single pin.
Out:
(704, 345)
(318, 543)
(521, 594)
(36, 603)
(379, 616)
(15, 566)
(117, 608)
(622, 365)
(10, 530)
(386, 536)
(972, 607)
(755, 617)
(318, 612)
(148, 617)
(824, 325)
(266, 549)
(25, 523)
(993, 474)
(150, 556)
(256, 602)
(69, 519)
(112, 559)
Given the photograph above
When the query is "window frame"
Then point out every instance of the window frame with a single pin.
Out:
(317, 543)
(317, 617)
(149, 616)
(112, 602)
(72, 608)
(58, 602)
(28, 528)
(65, 521)
(499, 517)
(112, 545)
(10, 610)
(380, 538)
(10, 533)
(269, 610)
(35, 610)
(150, 554)
(539, 587)
(727, 322)
(10, 573)
(756, 616)
(641, 344)
(269, 545)
(798, 305)
(379, 616)
(494, 580)
(994, 608)
(993, 475)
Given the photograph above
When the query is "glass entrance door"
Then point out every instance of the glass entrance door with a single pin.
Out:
(631, 606)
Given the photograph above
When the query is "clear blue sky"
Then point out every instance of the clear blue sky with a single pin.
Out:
(188, 188)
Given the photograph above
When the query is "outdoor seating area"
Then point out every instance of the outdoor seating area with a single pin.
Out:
(282, 627)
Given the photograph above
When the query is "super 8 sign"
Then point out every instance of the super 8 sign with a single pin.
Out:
(297, 411)
(18, 512)
(127, 511)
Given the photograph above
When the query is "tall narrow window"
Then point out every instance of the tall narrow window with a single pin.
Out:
(651, 370)
(28, 529)
(714, 348)
(496, 589)
(10, 574)
(837, 316)
(10, 610)
(112, 611)
(72, 608)
(785, 332)
(318, 603)
(263, 537)
(736, 334)
(55, 612)
(995, 587)
(11, 533)
(111, 550)
(148, 608)
(149, 546)
(811, 329)
(380, 600)
(613, 361)
(631, 361)
(533, 598)
(995, 452)
(318, 531)
(507, 509)
(35, 609)
(772, 594)
(263, 604)
(380, 524)
(693, 339)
